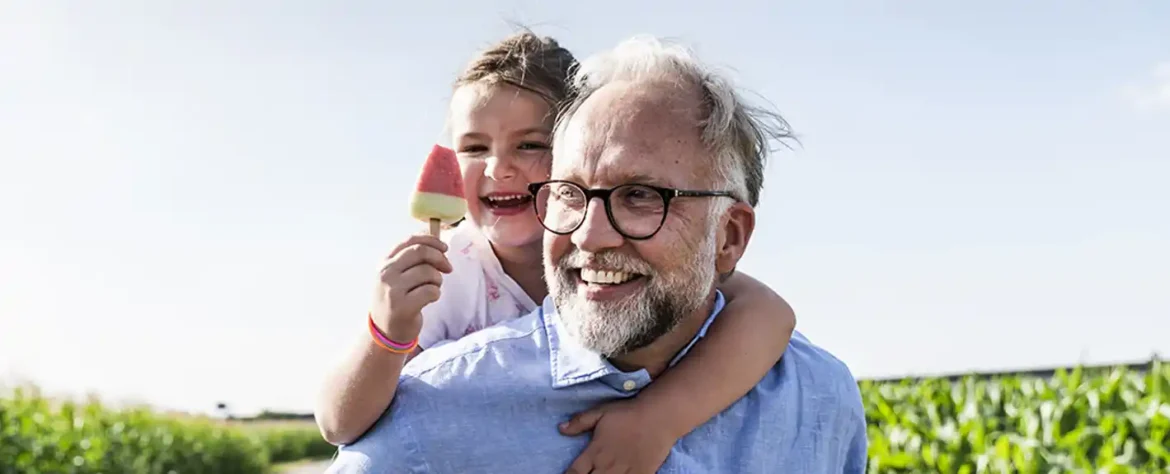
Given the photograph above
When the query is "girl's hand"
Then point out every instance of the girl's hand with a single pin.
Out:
(625, 440)
(410, 279)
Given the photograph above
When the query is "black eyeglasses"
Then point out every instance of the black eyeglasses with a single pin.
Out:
(636, 211)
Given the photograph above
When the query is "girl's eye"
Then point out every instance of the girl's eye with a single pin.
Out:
(472, 149)
(533, 146)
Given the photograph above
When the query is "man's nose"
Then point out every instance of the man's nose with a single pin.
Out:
(500, 166)
(596, 232)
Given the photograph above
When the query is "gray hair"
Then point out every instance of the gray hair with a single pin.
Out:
(736, 132)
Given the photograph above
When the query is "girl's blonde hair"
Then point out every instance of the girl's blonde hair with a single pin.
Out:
(527, 61)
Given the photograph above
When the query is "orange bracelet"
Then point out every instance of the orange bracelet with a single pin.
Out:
(388, 344)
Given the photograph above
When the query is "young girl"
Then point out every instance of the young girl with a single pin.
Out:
(501, 118)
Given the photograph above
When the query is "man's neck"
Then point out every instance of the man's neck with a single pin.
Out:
(656, 357)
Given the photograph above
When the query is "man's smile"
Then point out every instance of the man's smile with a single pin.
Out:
(607, 284)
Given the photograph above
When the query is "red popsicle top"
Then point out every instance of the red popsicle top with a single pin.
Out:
(440, 174)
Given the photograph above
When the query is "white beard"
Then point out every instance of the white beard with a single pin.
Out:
(619, 327)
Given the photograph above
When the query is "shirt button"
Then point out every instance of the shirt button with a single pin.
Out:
(630, 385)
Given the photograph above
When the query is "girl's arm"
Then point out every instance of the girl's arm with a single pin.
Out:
(358, 391)
(741, 346)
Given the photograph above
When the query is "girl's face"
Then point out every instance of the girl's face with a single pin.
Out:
(502, 135)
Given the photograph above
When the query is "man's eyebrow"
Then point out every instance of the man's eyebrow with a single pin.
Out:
(637, 178)
(614, 180)
(617, 179)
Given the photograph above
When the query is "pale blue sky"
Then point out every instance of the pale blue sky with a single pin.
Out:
(193, 195)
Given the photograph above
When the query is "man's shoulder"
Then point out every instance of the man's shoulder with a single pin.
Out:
(519, 339)
(820, 374)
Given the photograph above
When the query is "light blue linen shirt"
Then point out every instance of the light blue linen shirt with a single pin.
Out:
(491, 401)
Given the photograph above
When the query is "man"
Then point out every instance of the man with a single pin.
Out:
(658, 166)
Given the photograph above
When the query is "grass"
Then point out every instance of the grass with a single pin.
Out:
(39, 435)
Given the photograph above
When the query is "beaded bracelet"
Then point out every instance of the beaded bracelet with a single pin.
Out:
(388, 344)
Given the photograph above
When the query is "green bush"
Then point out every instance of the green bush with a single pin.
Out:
(38, 436)
(1111, 421)
(292, 442)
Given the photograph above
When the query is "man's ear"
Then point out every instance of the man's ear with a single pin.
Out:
(736, 227)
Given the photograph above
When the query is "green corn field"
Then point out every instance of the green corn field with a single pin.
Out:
(1112, 420)
(1108, 420)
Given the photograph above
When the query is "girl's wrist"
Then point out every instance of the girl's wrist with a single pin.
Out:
(398, 328)
(397, 338)
(403, 332)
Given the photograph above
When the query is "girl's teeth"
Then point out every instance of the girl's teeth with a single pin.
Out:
(604, 276)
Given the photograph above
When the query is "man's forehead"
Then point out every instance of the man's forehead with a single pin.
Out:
(614, 169)
(630, 132)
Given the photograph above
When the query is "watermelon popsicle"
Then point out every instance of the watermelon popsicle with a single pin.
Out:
(438, 197)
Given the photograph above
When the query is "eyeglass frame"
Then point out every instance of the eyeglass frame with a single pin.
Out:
(604, 194)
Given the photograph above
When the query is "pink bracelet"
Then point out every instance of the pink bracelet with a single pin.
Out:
(389, 344)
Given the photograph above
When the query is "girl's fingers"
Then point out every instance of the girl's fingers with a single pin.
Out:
(416, 255)
(419, 275)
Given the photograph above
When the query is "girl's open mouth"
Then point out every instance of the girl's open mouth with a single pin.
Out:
(507, 203)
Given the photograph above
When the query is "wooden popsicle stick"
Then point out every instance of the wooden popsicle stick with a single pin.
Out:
(435, 227)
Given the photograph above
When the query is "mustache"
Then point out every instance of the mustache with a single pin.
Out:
(611, 260)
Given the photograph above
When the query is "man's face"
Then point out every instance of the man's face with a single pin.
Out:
(614, 294)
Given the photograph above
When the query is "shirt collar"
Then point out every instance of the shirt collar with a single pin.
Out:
(573, 364)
